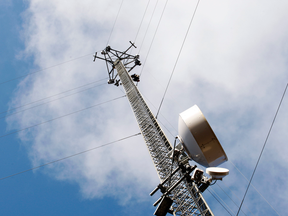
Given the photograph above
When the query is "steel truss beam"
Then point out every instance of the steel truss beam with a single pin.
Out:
(187, 199)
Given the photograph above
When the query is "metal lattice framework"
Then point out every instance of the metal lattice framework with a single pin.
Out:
(187, 199)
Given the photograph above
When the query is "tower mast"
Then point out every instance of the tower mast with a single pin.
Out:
(181, 196)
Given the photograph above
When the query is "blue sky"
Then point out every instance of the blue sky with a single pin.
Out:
(35, 193)
(233, 66)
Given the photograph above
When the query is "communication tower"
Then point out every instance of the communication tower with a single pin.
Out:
(180, 183)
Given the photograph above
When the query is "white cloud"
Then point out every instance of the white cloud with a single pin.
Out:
(233, 66)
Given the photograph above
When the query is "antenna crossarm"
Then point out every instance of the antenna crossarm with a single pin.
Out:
(110, 55)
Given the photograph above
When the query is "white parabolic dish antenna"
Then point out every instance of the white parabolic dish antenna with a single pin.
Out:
(198, 139)
(217, 173)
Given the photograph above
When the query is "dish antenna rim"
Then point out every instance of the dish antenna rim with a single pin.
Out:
(198, 138)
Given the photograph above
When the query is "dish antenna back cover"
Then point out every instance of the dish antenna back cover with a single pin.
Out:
(198, 139)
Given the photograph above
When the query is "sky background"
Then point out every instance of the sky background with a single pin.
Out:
(233, 66)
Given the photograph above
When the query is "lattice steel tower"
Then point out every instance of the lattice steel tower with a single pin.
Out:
(181, 192)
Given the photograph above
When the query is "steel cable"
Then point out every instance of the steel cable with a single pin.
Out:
(114, 22)
(14, 108)
(219, 201)
(192, 18)
(60, 117)
(41, 70)
(263, 150)
(154, 33)
(47, 102)
(142, 21)
(64, 158)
